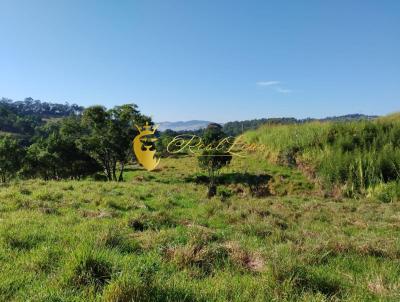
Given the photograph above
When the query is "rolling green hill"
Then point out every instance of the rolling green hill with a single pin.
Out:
(347, 158)
(23, 117)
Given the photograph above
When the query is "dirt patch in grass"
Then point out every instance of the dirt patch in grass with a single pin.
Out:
(152, 221)
(249, 260)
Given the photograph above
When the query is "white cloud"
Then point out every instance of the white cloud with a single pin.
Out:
(283, 90)
(268, 83)
(275, 85)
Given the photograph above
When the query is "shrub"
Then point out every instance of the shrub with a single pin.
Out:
(386, 192)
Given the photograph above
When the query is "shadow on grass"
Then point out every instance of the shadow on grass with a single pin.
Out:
(257, 183)
(133, 169)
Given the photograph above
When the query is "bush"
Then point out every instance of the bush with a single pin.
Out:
(386, 192)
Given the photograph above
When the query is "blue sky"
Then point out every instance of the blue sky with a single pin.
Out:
(214, 60)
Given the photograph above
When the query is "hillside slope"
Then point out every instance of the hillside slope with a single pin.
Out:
(349, 158)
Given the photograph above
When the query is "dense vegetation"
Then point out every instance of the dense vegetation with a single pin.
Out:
(348, 157)
(14, 123)
(29, 106)
(239, 127)
(23, 117)
(99, 140)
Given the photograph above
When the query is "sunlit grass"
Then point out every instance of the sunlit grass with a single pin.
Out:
(156, 237)
(359, 158)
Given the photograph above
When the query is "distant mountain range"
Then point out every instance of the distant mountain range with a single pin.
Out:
(252, 124)
(183, 126)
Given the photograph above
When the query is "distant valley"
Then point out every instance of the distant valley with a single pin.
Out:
(237, 127)
(183, 125)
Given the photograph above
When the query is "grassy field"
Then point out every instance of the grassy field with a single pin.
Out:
(266, 236)
(358, 158)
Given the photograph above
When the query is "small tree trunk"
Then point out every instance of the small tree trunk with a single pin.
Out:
(121, 172)
(114, 170)
(107, 172)
(212, 187)
(106, 168)
(212, 190)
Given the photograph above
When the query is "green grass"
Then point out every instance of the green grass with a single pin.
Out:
(156, 237)
(350, 158)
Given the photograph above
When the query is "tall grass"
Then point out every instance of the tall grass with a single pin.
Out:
(355, 156)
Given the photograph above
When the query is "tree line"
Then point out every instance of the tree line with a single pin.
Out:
(238, 127)
(29, 106)
(23, 117)
(97, 140)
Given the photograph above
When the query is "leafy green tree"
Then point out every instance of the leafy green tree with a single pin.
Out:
(213, 158)
(11, 154)
(164, 138)
(39, 162)
(55, 154)
(98, 140)
(123, 123)
(108, 136)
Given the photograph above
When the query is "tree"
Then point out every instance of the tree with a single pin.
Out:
(164, 138)
(11, 154)
(55, 154)
(213, 159)
(123, 128)
(109, 134)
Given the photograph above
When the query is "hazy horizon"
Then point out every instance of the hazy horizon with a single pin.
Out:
(209, 120)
